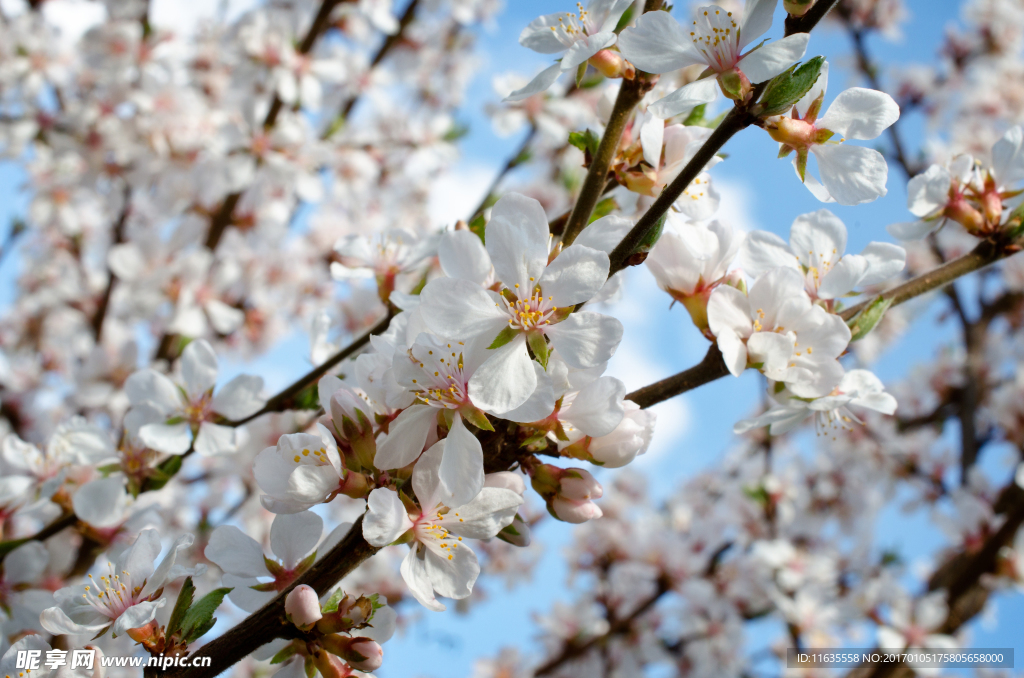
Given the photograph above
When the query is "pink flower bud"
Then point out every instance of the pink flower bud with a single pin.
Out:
(574, 511)
(371, 650)
(610, 64)
(578, 485)
(302, 606)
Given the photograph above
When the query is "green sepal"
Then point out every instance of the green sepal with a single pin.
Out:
(603, 209)
(801, 163)
(539, 346)
(332, 603)
(163, 472)
(284, 653)
(265, 587)
(505, 336)
(581, 72)
(456, 132)
(476, 417)
(865, 321)
(306, 399)
(789, 87)
(478, 225)
(181, 606)
(696, 116)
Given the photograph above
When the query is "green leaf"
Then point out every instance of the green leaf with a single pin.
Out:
(696, 116)
(865, 321)
(306, 399)
(160, 475)
(199, 619)
(284, 653)
(790, 86)
(505, 336)
(625, 19)
(332, 603)
(181, 605)
(456, 132)
(586, 141)
(603, 209)
(581, 72)
(539, 346)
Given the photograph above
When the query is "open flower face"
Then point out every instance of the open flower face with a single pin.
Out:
(301, 471)
(716, 39)
(533, 304)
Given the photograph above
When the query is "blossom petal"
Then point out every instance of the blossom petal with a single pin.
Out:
(585, 48)
(199, 368)
(487, 515)
(729, 311)
(386, 518)
(414, 572)
(575, 276)
(240, 397)
(517, 240)
(462, 465)
(860, 113)
(686, 98)
(505, 380)
(928, 192)
(138, 615)
(236, 553)
(406, 437)
(460, 308)
(540, 83)
(539, 37)
(167, 438)
(658, 44)
(462, 255)
(913, 230)
(452, 575)
(763, 251)
(757, 19)
(539, 405)
(773, 58)
(294, 536)
(214, 439)
(101, 503)
(426, 478)
(585, 339)
(852, 174)
(885, 260)
(597, 408)
(843, 277)
(1008, 157)
(604, 234)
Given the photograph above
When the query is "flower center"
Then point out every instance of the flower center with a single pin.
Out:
(529, 313)
(113, 596)
(716, 35)
(311, 457)
(572, 27)
(445, 385)
(428, 527)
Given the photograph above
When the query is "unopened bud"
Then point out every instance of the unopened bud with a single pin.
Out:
(609, 63)
(578, 485)
(361, 653)
(735, 85)
(574, 511)
(793, 133)
(506, 480)
(962, 212)
(797, 7)
(302, 606)
(517, 533)
(330, 666)
(355, 485)
(144, 634)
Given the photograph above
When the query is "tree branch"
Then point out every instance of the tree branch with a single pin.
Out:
(285, 398)
(101, 310)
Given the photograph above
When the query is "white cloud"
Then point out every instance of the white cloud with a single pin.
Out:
(457, 193)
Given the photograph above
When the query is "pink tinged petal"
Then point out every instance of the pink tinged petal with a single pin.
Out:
(453, 572)
(137, 615)
(859, 113)
(885, 260)
(1008, 157)
(913, 230)
(773, 58)
(102, 503)
(214, 439)
(729, 312)
(235, 552)
(152, 387)
(757, 19)
(585, 339)
(406, 437)
(294, 536)
(198, 367)
(852, 174)
(843, 277)
(539, 37)
(598, 408)
(506, 379)
(460, 308)
(240, 397)
(540, 83)
(414, 572)
(517, 240)
(652, 134)
(539, 405)
(763, 251)
(928, 192)
(604, 234)
(772, 350)
(585, 48)
(426, 478)
(386, 519)
(462, 255)
(462, 466)
(658, 44)
(576, 275)
(686, 98)
(167, 438)
(487, 515)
